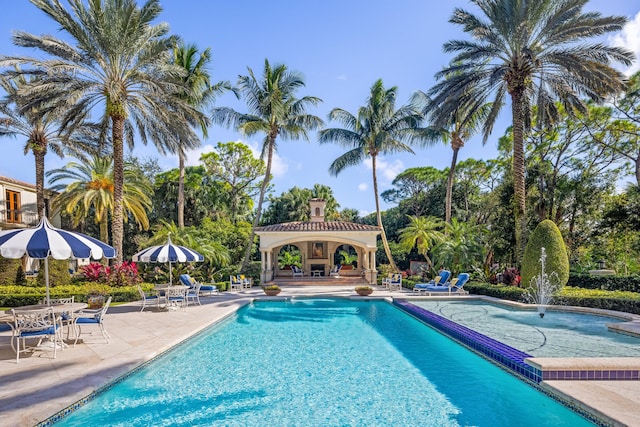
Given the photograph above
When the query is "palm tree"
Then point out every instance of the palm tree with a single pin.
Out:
(119, 64)
(535, 52)
(41, 131)
(197, 79)
(87, 187)
(462, 246)
(422, 233)
(275, 111)
(377, 129)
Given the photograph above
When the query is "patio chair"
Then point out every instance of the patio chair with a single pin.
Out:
(396, 282)
(35, 324)
(66, 317)
(189, 281)
(176, 297)
(92, 317)
(247, 282)
(235, 284)
(335, 270)
(297, 271)
(148, 299)
(193, 294)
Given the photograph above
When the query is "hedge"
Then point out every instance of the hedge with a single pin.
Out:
(15, 296)
(628, 302)
(607, 283)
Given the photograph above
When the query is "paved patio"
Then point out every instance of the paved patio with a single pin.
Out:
(38, 386)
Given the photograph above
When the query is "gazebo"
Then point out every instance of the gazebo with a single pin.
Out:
(319, 242)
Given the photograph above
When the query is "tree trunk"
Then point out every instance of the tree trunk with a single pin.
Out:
(637, 170)
(256, 220)
(104, 226)
(452, 171)
(181, 189)
(519, 173)
(117, 226)
(387, 250)
(39, 154)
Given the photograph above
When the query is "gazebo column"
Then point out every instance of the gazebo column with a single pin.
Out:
(371, 274)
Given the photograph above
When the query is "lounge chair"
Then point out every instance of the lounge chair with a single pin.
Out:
(35, 324)
(455, 286)
(335, 270)
(189, 281)
(297, 271)
(92, 317)
(148, 299)
(439, 281)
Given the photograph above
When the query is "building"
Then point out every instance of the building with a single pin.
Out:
(319, 243)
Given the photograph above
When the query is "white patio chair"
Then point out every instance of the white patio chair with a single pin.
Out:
(177, 297)
(90, 317)
(247, 282)
(193, 294)
(35, 324)
(148, 299)
(235, 284)
(396, 282)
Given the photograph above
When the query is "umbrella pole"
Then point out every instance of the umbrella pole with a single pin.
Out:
(170, 279)
(46, 279)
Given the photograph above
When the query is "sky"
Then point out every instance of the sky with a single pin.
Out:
(341, 47)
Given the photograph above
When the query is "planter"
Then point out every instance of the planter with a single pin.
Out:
(95, 301)
(346, 267)
(364, 292)
(271, 292)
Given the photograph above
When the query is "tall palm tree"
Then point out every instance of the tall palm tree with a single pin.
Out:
(87, 187)
(119, 64)
(197, 80)
(422, 233)
(275, 111)
(41, 131)
(534, 51)
(377, 129)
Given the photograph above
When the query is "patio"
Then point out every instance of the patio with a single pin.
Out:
(40, 386)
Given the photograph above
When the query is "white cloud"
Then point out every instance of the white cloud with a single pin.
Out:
(629, 38)
(342, 77)
(386, 170)
(363, 187)
(279, 166)
(363, 213)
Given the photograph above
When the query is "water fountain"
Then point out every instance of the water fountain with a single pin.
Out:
(542, 286)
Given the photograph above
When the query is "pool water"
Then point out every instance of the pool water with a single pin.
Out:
(558, 334)
(320, 362)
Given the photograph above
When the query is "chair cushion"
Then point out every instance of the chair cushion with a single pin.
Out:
(48, 331)
(208, 288)
(95, 319)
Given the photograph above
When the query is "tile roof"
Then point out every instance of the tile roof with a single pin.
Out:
(15, 181)
(318, 226)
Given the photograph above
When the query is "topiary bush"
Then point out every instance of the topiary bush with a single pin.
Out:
(58, 273)
(548, 236)
(9, 270)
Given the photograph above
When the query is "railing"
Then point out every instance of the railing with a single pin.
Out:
(18, 217)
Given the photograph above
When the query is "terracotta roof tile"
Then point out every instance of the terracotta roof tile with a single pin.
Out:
(317, 226)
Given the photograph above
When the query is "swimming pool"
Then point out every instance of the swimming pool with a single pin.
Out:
(311, 362)
(558, 334)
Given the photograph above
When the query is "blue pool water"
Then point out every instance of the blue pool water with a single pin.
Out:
(558, 334)
(319, 362)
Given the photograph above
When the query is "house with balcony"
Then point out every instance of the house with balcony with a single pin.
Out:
(18, 209)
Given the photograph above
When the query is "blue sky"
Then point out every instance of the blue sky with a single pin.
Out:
(340, 46)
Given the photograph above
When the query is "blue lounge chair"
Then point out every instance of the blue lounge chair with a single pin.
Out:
(187, 280)
(439, 281)
(456, 286)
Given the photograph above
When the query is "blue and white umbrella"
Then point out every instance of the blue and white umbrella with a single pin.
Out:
(44, 241)
(168, 253)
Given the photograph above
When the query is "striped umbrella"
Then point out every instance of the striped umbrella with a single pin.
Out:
(168, 253)
(44, 241)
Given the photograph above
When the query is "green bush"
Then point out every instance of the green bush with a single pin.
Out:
(511, 293)
(58, 273)
(608, 283)
(9, 270)
(545, 235)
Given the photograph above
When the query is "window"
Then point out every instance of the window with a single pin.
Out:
(13, 206)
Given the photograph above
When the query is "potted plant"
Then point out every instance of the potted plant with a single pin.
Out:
(348, 260)
(271, 290)
(95, 299)
(364, 290)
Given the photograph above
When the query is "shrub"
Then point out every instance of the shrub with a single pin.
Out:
(9, 270)
(122, 274)
(609, 283)
(58, 273)
(546, 235)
